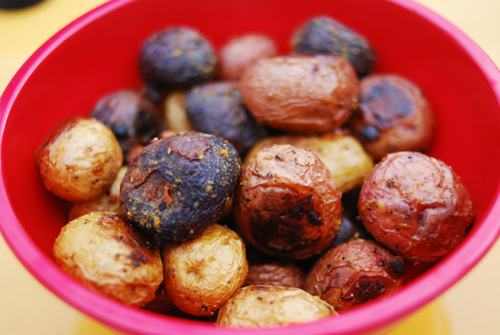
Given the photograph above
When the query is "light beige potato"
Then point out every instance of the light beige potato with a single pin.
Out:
(108, 202)
(302, 94)
(343, 155)
(270, 305)
(175, 112)
(104, 253)
(79, 159)
(201, 274)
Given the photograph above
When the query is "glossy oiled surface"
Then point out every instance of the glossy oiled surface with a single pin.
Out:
(470, 307)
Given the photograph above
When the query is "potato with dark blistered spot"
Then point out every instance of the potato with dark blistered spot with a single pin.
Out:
(270, 305)
(287, 203)
(203, 273)
(133, 118)
(354, 273)
(104, 253)
(177, 58)
(416, 206)
(217, 108)
(302, 94)
(178, 186)
(275, 273)
(393, 115)
(242, 51)
(326, 36)
(79, 159)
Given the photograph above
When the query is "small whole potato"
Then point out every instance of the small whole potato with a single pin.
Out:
(355, 272)
(104, 253)
(203, 273)
(275, 273)
(287, 204)
(79, 159)
(393, 115)
(271, 305)
(416, 206)
(175, 112)
(302, 94)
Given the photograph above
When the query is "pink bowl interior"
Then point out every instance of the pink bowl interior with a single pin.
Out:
(97, 55)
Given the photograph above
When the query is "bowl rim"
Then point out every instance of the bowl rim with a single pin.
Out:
(125, 319)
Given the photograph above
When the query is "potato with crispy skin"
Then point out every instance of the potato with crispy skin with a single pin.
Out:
(203, 273)
(79, 159)
(104, 253)
(287, 203)
(354, 273)
(416, 206)
(302, 94)
(275, 273)
(270, 305)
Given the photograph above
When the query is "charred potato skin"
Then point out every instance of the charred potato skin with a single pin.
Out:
(106, 254)
(133, 118)
(271, 305)
(326, 36)
(217, 108)
(179, 185)
(416, 206)
(79, 159)
(177, 58)
(202, 274)
(275, 273)
(301, 94)
(241, 52)
(354, 273)
(393, 115)
(287, 204)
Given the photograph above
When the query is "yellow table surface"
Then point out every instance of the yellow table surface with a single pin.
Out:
(26, 307)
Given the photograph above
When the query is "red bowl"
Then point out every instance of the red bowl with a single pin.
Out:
(97, 54)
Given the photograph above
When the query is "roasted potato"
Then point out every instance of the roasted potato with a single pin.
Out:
(324, 35)
(175, 112)
(342, 154)
(287, 204)
(416, 206)
(177, 58)
(79, 159)
(393, 115)
(354, 273)
(270, 305)
(177, 186)
(242, 51)
(302, 94)
(275, 273)
(104, 253)
(203, 273)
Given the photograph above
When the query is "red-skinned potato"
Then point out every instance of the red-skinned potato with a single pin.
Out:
(275, 273)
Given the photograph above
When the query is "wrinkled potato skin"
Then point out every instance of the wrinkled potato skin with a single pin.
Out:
(398, 113)
(275, 273)
(287, 204)
(354, 273)
(203, 273)
(108, 202)
(343, 155)
(416, 206)
(105, 254)
(303, 94)
(241, 52)
(79, 159)
(270, 305)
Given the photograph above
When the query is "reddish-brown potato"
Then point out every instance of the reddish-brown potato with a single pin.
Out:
(355, 272)
(306, 94)
(241, 52)
(287, 203)
(416, 206)
(393, 115)
(275, 273)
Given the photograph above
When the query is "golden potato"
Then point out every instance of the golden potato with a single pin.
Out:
(343, 155)
(108, 202)
(104, 253)
(306, 94)
(201, 274)
(275, 273)
(175, 112)
(270, 305)
(79, 159)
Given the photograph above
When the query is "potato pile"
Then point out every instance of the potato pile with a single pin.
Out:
(251, 188)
